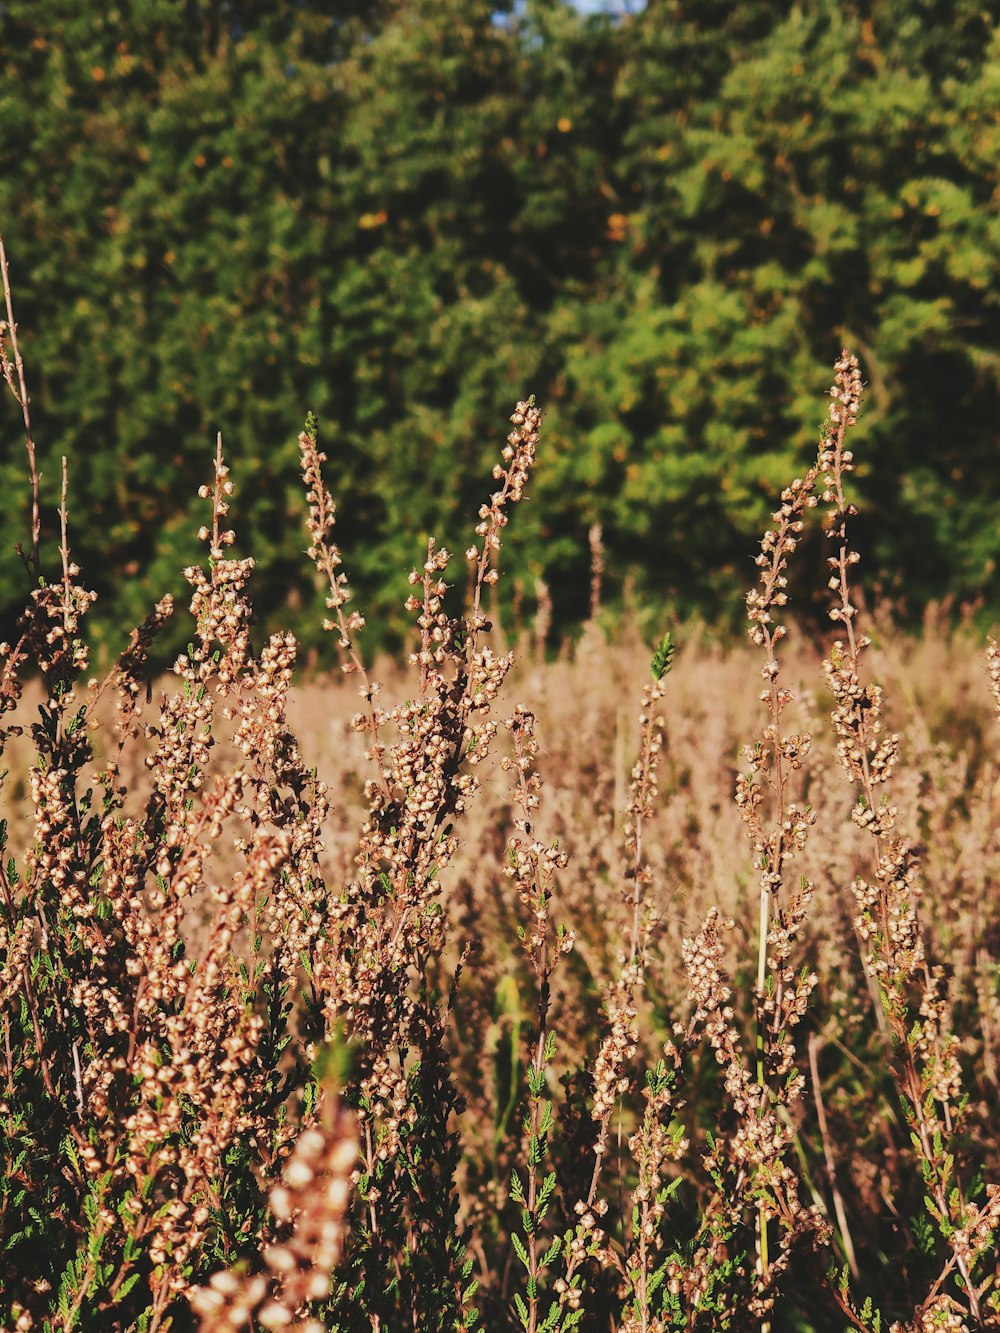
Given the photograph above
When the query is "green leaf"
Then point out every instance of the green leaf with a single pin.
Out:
(663, 657)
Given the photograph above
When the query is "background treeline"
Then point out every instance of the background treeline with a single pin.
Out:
(403, 216)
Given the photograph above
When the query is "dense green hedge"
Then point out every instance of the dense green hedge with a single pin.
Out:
(405, 216)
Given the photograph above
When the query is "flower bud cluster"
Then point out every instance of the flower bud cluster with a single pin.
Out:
(993, 667)
(532, 864)
(618, 1049)
(308, 1208)
(778, 543)
(519, 457)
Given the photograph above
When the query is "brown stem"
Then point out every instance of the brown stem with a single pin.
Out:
(21, 394)
(831, 1164)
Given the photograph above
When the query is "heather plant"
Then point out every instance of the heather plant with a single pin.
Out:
(911, 991)
(491, 1023)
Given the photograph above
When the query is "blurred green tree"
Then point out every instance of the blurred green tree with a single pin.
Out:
(403, 216)
(798, 178)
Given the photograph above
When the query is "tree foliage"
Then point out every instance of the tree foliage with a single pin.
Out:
(400, 215)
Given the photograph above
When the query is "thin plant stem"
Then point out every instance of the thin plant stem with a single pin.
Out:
(8, 331)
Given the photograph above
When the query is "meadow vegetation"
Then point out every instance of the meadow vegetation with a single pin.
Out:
(491, 991)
